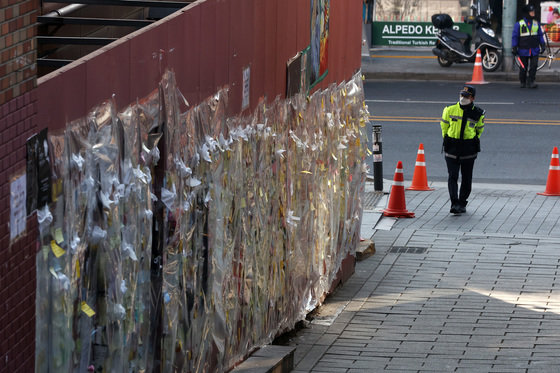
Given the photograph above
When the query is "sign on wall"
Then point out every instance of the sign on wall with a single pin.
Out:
(18, 212)
(246, 87)
(411, 34)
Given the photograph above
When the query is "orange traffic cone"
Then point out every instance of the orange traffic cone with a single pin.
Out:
(419, 178)
(553, 180)
(477, 77)
(397, 203)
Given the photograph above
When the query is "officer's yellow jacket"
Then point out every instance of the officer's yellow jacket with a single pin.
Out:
(452, 119)
(461, 130)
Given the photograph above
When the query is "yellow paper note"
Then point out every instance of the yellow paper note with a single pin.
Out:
(57, 250)
(87, 309)
(58, 236)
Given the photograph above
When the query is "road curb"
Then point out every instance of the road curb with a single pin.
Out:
(374, 69)
(498, 77)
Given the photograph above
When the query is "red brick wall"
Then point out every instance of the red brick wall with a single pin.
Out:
(17, 46)
(18, 121)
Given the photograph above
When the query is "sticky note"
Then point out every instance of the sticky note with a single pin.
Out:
(57, 250)
(87, 309)
(58, 236)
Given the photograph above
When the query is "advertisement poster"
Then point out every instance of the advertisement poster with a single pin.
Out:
(320, 11)
(550, 18)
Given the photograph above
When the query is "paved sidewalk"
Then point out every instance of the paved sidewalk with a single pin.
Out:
(473, 293)
(419, 63)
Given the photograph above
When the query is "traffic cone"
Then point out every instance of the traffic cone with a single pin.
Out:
(397, 203)
(419, 178)
(553, 180)
(477, 76)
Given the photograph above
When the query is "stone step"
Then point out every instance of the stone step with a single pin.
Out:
(268, 359)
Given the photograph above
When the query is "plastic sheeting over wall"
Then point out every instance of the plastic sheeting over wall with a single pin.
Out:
(181, 240)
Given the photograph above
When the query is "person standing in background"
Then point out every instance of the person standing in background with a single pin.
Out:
(527, 43)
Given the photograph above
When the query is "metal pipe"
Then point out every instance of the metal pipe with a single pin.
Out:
(509, 13)
(65, 10)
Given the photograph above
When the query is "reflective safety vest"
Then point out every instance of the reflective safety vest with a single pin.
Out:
(528, 37)
(452, 119)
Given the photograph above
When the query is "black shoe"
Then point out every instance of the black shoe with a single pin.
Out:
(454, 209)
(522, 85)
(461, 209)
(532, 85)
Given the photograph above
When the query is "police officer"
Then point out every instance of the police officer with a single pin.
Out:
(461, 127)
(526, 38)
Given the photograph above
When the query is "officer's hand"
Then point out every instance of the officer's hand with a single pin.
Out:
(514, 51)
(543, 49)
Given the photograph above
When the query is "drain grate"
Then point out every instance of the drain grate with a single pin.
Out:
(408, 250)
(371, 199)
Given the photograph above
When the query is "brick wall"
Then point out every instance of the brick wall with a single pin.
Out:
(17, 46)
(18, 121)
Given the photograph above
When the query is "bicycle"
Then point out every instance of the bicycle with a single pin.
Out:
(548, 56)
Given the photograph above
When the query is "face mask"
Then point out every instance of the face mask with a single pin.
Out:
(464, 100)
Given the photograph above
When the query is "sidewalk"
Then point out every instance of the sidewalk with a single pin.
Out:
(420, 64)
(473, 293)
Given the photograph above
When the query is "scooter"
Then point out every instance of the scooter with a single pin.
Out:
(453, 46)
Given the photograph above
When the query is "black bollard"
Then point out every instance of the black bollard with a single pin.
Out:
(377, 158)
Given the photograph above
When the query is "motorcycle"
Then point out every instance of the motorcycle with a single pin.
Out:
(453, 46)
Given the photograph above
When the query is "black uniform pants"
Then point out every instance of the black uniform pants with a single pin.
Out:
(530, 63)
(454, 165)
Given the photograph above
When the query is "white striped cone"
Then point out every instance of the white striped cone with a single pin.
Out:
(419, 178)
(477, 75)
(553, 180)
(397, 202)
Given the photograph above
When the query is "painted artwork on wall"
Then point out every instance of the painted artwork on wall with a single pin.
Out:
(320, 13)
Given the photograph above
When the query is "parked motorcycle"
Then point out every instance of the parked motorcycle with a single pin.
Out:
(453, 46)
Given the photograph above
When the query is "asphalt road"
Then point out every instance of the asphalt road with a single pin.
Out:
(521, 128)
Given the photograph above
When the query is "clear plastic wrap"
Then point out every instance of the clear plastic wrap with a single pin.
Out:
(181, 241)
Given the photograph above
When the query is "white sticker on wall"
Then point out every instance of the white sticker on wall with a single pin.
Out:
(246, 87)
(18, 215)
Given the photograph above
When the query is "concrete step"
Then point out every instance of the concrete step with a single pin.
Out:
(268, 359)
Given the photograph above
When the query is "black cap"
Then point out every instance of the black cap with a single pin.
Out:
(529, 8)
(468, 90)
